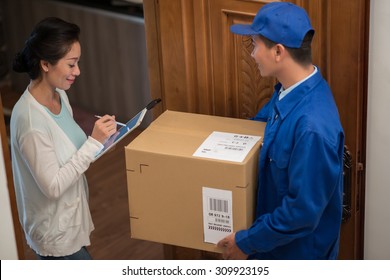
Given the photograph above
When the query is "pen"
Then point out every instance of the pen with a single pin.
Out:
(118, 123)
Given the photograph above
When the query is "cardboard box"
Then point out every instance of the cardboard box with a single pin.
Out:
(166, 182)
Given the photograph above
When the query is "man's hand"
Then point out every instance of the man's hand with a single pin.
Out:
(230, 248)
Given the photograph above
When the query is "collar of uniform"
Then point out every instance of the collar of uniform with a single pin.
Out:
(287, 104)
(283, 92)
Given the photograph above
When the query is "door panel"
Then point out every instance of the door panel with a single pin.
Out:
(197, 65)
(239, 90)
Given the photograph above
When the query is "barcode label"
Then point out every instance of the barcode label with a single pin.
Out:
(217, 214)
(219, 205)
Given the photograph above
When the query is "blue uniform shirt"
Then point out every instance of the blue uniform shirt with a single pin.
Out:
(299, 204)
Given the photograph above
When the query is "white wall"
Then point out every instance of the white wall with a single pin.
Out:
(8, 249)
(377, 217)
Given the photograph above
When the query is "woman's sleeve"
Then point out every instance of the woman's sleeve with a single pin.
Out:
(41, 157)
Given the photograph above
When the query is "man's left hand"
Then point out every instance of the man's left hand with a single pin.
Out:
(230, 248)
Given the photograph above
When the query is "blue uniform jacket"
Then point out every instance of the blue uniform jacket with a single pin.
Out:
(299, 204)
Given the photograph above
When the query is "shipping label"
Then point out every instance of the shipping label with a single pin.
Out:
(217, 214)
(227, 146)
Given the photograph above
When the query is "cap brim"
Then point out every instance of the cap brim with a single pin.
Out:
(243, 29)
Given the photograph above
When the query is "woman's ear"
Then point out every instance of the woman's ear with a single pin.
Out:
(44, 65)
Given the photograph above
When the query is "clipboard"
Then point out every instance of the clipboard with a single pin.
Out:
(125, 130)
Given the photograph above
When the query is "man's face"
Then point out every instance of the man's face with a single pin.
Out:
(264, 57)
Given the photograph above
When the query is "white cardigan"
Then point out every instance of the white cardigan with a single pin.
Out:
(51, 188)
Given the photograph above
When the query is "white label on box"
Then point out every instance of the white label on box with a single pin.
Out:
(217, 214)
(226, 146)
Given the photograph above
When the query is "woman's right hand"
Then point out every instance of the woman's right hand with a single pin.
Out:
(104, 128)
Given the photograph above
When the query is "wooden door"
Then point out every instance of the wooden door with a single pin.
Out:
(10, 183)
(197, 65)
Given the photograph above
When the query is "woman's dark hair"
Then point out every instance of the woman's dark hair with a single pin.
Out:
(50, 40)
(302, 54)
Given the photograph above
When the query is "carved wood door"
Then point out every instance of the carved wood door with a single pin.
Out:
(197, 65)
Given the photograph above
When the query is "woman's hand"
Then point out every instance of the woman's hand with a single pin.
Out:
(104, 128)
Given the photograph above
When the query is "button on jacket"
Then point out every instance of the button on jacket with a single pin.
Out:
(299, 203)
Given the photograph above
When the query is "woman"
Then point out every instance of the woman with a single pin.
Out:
(50, 152)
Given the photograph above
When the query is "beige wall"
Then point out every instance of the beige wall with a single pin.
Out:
(377, 217)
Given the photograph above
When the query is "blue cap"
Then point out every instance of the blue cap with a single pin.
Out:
(281, 22)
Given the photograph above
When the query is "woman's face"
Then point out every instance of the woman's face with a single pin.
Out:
(63, 74)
